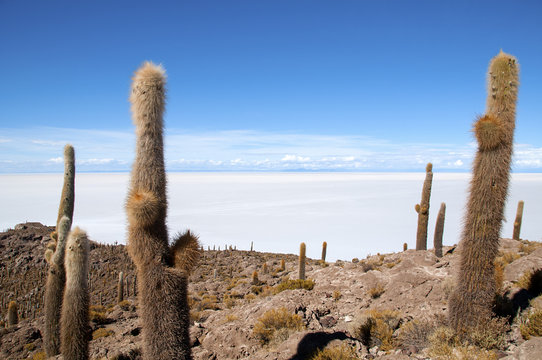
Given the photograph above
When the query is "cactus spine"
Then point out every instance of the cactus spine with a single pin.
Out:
(74, 326)
(120, 288)
(439, 230)
(517, 222)
(324, 249)
(302, 250)
(162, 289)
(54, 289)
(423, 209)
(471, 302)
(13, 316)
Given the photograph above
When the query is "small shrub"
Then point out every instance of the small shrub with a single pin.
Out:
(97, 314)
(39, 356)
(524, 282)
(337, 295)
(29, 347)
(507, 257)
(376, 327)
(416, 333)
(376, 291)
(532, 325)
(125, 305)
(274, 321)
(340, 352)
(102, 332)
(491, 335)
(355, 260)
(528, 247)
(229, 301)
(230, 318)
(288, 284)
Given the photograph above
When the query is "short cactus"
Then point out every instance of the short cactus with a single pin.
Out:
(423, 209)
(470, 304)
(324, 250)
(282, 265)
(120, 288)
(302, 260)
(405, 246)
(13, 316)
(74, 321)
(517, 222)
(255, 280)
(439, 230)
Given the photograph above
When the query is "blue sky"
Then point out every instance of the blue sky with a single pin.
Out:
(265, 85)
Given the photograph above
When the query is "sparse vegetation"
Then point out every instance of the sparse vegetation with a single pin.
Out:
(376, 327)
(376, 291)
(276, 322)
(288, 284)
(102, 332)
(338, 352)
(532, 324)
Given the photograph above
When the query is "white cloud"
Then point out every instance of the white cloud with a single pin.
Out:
(242, 150)
(95, 161)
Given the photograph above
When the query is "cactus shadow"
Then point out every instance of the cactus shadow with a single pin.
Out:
(510, 307)
(313, 342)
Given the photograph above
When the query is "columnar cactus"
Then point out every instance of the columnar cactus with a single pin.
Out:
(302, 250)
(54, 289)
(405, 246)
(517, 222)
(13, 316)
(74, 321)
(282, 265)
(67, 197)
(423, 209)
(120, 288)
(324, 249)
(439, 230)
(162, 288)
(255, 280)
(471, 302)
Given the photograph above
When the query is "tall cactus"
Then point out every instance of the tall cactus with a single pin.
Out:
(54, 255)
(471, 302)
(302, 259)
(324, 251)
(162, 289)
(74, 321)
(517, 222)
(423, 209)
(54, 289)
(439, 230)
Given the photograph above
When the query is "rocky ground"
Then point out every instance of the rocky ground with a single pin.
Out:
(403, 295)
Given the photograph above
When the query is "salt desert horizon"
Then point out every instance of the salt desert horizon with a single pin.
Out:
(356, 213)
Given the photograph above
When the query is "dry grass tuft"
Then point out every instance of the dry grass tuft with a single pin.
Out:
(532, 324)
(276, 325)
(339, 352)
(288, 284)
(376, 291)
(376, 328)
(102, 332)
